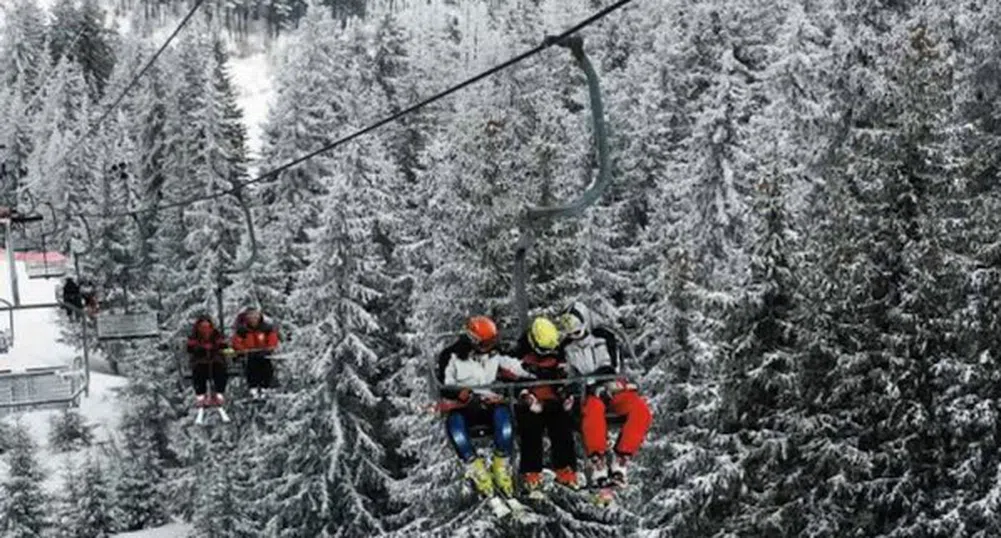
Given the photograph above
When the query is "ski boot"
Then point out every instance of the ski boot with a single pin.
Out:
(619, 465)
(502, 475)
(476, 472)
(532, 483)
(567, 477)
(599, 480)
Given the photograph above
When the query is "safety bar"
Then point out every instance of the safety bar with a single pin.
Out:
(539, 383)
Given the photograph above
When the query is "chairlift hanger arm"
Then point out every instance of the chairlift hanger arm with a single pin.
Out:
(534, 215)
(252, 259)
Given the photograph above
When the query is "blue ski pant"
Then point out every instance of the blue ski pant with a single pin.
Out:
(458, 422)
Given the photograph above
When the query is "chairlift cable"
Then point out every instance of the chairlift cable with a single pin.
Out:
(547, 43)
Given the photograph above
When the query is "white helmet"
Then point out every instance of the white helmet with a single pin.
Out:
(575, 321)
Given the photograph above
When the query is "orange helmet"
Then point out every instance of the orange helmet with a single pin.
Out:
(482, 331)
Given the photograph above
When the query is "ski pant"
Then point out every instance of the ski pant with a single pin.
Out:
(594, 427)
(458, 422)
(260, 372)
(553, 420)
(201, 372)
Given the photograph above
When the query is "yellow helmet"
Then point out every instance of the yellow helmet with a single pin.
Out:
(543, 335)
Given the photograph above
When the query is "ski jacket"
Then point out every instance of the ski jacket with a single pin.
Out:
(202, 350)
(461, 365)
(595, 354)
(543, 366)
(261, 339)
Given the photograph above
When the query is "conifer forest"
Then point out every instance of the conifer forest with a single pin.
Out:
(798, 246)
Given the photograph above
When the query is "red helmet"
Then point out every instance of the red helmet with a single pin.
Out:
(482, 331)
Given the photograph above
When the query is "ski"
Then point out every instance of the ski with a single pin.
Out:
(499, 507)
(223, 415)
(200, 417)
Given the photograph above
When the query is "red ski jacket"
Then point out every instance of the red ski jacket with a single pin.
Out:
(263, 337)
(205, 343)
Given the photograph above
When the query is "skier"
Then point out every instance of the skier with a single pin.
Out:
(470, 361)
(72, 298)
(88, 295)
(257, 339)
(207, 352)
(545, 409)
(591, 351)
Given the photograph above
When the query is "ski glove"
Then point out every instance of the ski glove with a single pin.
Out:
(568, 403)
(533, 403)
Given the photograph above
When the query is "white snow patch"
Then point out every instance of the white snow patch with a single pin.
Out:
(35, 332)
(252, 80)
(171, 530)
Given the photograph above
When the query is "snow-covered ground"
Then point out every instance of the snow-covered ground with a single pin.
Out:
(35, 331)
(173, 530)
(34, 345)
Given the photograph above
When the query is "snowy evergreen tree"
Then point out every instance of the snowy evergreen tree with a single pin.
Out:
(87, 503)
(69, 431)
(23, 503)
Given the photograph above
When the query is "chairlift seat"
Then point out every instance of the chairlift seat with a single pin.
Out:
(38, 388)
(132, 326)
(38, 269)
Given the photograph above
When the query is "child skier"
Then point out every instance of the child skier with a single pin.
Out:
(471, 361)
(545, 409)
(593, 351)
(207, 352)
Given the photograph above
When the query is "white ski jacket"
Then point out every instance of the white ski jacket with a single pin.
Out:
(481, 369)
(596, 353)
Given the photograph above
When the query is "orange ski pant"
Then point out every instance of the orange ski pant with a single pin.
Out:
(594, 428)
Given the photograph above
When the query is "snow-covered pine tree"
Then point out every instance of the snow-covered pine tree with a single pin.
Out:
(139, 478)
(87, 504)
(23, 503)
(69, 431)
(220, 507)
(287, 205)
(894, 292)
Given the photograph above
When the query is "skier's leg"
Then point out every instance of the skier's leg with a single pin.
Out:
(503, 430)
(250, 369)
(219, 378)
(458, 436)
(268, 373)
(530, 430)
(560, 426)
(200, 379)
(593, 428)
(638, 420)
(456, 426)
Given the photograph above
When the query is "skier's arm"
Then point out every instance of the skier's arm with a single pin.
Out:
(612, 344)
(513, 366)
(446, 375)
(272, 340)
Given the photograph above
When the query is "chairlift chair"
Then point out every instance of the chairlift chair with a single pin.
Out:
(127, 326)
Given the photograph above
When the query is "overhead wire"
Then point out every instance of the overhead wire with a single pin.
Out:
(547, 43)
(132, 83)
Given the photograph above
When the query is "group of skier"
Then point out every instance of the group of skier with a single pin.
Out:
(570, 347)
(209, 352)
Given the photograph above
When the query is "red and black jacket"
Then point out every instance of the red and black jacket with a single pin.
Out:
(261, 339)
(543, 366)
(202, 349)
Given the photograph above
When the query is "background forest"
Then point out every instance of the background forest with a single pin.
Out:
(801, 242)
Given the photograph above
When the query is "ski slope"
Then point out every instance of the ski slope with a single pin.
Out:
(35, 331)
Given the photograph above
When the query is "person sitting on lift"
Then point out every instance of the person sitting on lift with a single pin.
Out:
(545, 409)
(258, 340)
(471, 361)
(593, 351)
(207, 353)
